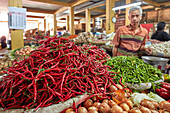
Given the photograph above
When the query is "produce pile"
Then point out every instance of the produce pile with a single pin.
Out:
(55, 72)
(164, 90)
(133, 70)
(5, 62)
(23, 51)
(83, 37)
(120, 103)
(72, 36)
(161, 48)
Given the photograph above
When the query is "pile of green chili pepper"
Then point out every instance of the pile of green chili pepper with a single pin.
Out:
(133, 70)
(55, 72)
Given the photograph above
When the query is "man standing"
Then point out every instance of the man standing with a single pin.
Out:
(131, 39)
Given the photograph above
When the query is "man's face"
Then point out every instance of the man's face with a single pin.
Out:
(135, 17)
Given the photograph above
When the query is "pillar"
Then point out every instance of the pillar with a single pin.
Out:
(38, 25)
(109, 15)
(127, 21)
(44, 24)
(88, 20)
(17, 40)
(55, 25)
(94, 23)
(101, 23)
(71, 20)
(67, 23)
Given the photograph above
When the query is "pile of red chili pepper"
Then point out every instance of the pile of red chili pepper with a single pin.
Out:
(55, 72)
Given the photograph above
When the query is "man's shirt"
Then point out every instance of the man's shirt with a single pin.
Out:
(129, 42)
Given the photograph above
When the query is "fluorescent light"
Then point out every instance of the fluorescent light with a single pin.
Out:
(126, 6)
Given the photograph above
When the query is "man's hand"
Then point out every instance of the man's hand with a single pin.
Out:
(148, 51)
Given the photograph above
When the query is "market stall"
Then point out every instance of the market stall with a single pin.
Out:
(63, 64)
(60, 76)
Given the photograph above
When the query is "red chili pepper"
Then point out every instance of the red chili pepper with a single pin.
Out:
(164, 90)
(164, 95)
(120, 81)
(157, 91)
(166, 86)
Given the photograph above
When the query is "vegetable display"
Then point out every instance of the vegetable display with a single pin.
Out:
(164, 91)
(5, 62)
(72, 36)
(161, 48)
(24, 51)
(120, 103)
(133, 70)
(55, 72)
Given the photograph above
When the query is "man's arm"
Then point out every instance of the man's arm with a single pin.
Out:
(142, 48)
(115, 42)
(114, 50)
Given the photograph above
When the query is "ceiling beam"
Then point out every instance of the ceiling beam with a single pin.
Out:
(83, 16)
(151, 2)
(65, 19)
(35, 10)
(53, 2)
(100, 5)
(147, 7)
(62, 9)
(32, 20)
(60, 22)
(79, 12)
(78, 2)
(165, 3)
(103, 15)
(99, 10)
(30, 16)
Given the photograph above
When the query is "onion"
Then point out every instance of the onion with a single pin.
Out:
(96, 104)
(154, 111)
(91, 111)
(105, 101)
(116, 109)
(165, 105)
(147, 104)
(94, 99)
(129, 103)
(165, 112)
(135, 110)
(155, 104)
(127, 95)
(82, 110)
(119, 86)
(104, 108)
(69, 111)
(111, 103)
(144, 110)
(88, 103)
(92, 108)
(112, 88)
(124, 112)
(125, 107)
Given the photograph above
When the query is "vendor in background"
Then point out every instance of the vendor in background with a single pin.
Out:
(160, 34)
(131, 39)
(3, 42)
